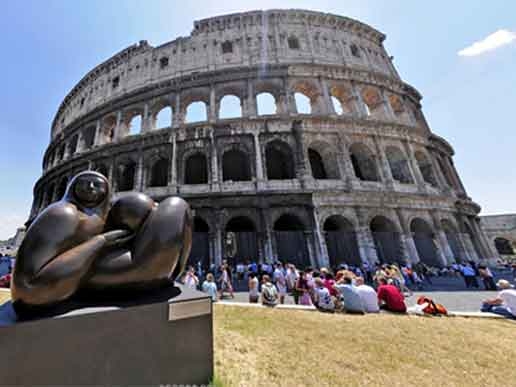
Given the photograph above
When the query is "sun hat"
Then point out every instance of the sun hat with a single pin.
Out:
(504, 284)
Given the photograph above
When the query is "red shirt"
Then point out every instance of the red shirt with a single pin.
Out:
(392, 297)
(328, 284)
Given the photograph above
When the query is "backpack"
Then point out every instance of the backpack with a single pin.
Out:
(432, 307)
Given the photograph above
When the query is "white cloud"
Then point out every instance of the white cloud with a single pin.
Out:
(9, 223)
(491, 42)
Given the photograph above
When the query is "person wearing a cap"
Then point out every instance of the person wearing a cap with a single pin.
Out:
(504, 303)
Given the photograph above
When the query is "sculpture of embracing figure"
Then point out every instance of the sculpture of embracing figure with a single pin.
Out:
(86, 242)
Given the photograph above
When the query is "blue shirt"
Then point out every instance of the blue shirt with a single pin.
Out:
(211, 289)
(350, 297)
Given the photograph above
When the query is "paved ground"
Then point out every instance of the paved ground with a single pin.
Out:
(451, 292)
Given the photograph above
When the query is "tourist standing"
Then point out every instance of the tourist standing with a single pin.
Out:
(190, 279)
(303, 289)
(209, 286)
(269, 292)
(469, 276)
(281, 282)
(253, 288)
(225, 281)
(487, 277)
(390, 298)
(368, 296)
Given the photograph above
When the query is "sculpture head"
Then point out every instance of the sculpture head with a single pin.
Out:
(89, 190)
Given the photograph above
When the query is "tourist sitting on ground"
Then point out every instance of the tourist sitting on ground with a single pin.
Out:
(390, 298)
(352, 303)
(253, 288)
(367, 295)
(269, 292)
(322, 297)
(209, 286)
(504, 303)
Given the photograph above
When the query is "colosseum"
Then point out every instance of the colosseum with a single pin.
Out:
(327, 158)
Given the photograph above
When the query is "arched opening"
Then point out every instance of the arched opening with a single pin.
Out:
(341, 241)
(235, 166)
(200, 251)
(396, 104)
(159, 173)
(303, 103)
(125, 176)
(342, 99)
(363, 162)
(386, 240)
(227, 47)
(88, 137)
(240, 243)
(354, 50)
(107, 133)
(503, 246)
(474, 240)
(337, 106)
(61, 188)
(293, 43)
(266, 104)
(423, 236)
(196, 170)
(452, 238)
(372, 100)
(164, 118)
(280, 163)
(196, 112)
(399, 165)
(426, 168)
(291, 244)
(317, 164)
(73, 144)
(135, 125)
(445, 171)
(230, 107)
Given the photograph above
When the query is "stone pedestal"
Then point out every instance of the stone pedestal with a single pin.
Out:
(166, 342)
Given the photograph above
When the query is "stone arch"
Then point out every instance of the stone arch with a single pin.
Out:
(280, 163)
(396, 104)
(364, 162)
(424, 239)
(307, 89)
(452, 237)
(241, 242)
(125, 175)
(159, 171)
(196, 102)
(195, 168)
(235, 165)
(387, 240)
(323, 161)
(425, 166)
(504, 246)
(474, 240)
(399, 165)
(344, 97)
(230, 106)
(200, 250)
(88, 137)
(266, 104)
(291, 243)
(266, 88)
(341, 241)
(196, 111)
(162, 115)
(132, 121)
(372, 100)
(445, 171)
(107, 129)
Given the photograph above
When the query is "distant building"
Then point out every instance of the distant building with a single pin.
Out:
(501, 232)
(355, 174)
(10, 246)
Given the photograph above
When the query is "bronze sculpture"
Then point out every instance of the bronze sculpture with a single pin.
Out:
(86, 243)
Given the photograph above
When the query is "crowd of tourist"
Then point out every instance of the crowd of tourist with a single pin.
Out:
(350, 289)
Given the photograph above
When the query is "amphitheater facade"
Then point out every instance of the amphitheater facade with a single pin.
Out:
(355, 175)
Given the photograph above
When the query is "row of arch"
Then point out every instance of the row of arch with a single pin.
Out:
(308, 97)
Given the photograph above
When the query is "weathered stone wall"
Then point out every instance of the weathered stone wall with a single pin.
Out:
(374, 158)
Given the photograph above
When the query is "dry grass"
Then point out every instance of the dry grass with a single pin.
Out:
(256, 347)
(5, 295)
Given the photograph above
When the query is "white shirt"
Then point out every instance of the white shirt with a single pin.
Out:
(369, 298)
(509, 299)
(324, 299)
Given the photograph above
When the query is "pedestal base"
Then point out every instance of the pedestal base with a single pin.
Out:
(167, 342)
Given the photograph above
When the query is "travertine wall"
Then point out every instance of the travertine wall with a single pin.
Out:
(364, 151)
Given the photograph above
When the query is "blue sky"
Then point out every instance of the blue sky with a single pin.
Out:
(47, 46)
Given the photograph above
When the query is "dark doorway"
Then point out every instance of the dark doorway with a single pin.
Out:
(159, 173)
(200, 251)
(240, 242)
(280, 164)
(341, 242)
(290, 238)
(235, 166)
(196, 171)
(386, 240)
(503, 246)
(424, 240)
(125, 176)
(317, 164)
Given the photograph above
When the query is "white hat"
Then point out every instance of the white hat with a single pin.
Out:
(504, 284)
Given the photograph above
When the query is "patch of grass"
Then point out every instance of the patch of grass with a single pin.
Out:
(5, 295)
(257, 347)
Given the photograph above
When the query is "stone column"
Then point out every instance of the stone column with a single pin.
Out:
(441, 180)
(347, 167)
(218, 239)
(328, 105)
(258, 160)
(407, 241)
(178, 118)
(268, 236)
(213, 112)
(385, 168)
(359, 102)
(365, 240)
(80, 147)
(214, 164)
(97, 138)
(446, 251)
(321, 251)
(138, 179)
(252, 108)
(173, 164)
(289, 99)
(389, 112)
(420, 181)
(118, 125)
